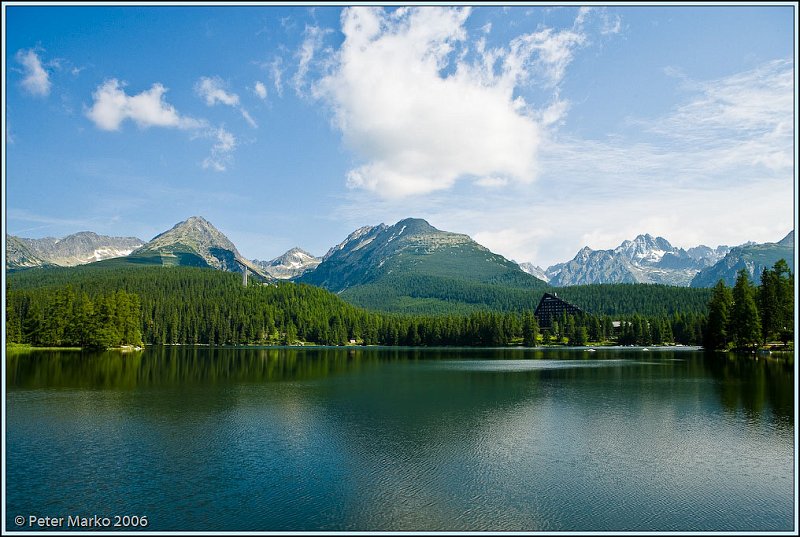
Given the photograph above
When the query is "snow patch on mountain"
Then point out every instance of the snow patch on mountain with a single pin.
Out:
(293, 263)
(645, 259)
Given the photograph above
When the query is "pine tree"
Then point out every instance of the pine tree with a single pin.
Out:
(776, 301)
(716, 335)
(530, 329)
(744, 325)
(579, 336)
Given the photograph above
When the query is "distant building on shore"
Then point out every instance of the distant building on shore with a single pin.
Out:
(552, 308)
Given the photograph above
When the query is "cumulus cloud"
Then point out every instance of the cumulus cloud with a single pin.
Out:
(690, 174)
(422, 113)
(37, 80)
(212, 90)
(260, 90)
(112, 106)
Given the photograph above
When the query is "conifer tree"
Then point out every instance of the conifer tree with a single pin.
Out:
(716, 336)
(744, 325)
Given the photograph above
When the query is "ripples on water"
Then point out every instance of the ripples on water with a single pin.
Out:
(363, 440)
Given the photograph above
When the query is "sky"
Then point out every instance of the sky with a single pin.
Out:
(535, 130)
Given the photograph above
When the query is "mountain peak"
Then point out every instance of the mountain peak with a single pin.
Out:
(645, 247)
(195, 231)
(415, 226)
(411, 248)
(196, 242)
(196, 220)
(788, 240)
(293, 263)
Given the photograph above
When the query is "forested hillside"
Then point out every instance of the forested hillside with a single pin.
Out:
(193, 305)
(438, 295)
(640, 298)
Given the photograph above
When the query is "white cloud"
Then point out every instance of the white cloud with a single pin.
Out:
(545, 53)
(276, 72)
(717, 169)
(212, 90)
(422, 116)
(312, 43)
(491, 182)
(750, 112)
(260, 90)
(611, 25)
(112, 106)
(220, 157)
(607, 24)
(37, 80)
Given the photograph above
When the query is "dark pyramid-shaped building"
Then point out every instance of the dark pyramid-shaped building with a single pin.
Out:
(552, 308)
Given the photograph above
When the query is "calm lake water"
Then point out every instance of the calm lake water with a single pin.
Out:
(403, 440)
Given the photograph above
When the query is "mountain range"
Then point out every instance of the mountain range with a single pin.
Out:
(645, 259)
(753, 258)
(408, 260)
(76, 249)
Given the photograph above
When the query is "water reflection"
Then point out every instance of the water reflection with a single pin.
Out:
(754, 386)
(322, 439)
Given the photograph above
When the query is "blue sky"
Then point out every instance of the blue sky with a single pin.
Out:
(535, 130)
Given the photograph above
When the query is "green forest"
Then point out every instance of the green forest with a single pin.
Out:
(96, 306)
(749, 316)
(425, 294)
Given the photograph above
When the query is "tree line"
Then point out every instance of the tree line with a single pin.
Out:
(108, 306)
(64, 317)
(748, 316)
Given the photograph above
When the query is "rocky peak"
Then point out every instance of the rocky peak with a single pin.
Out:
(414, 226)
(645, 248)
(196, 232)
(289, 265)
(357, 239)
(81, 248)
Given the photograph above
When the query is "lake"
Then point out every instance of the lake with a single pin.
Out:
(325, 439)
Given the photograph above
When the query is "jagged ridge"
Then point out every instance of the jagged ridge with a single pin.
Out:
(292, 264)
(646, 259)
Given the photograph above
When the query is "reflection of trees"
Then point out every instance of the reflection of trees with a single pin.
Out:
(170, 365)
(755, 386)
(742, 382)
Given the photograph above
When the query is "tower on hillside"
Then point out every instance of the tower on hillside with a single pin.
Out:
(244, 272)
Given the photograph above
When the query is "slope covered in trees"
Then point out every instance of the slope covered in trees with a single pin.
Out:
(193, 305)
(438, 295)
